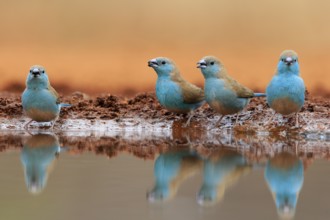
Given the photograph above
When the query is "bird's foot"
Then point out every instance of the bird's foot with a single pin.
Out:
(26, 126)
(186, 125)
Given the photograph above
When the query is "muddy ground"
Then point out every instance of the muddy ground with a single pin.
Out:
(94, 112)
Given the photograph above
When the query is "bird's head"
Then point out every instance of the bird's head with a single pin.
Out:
(288, 62)
(207, 196)
(210, 66)
(37, 77)
(162, 65)
(35, 184)
(286, 205)
(159, 194)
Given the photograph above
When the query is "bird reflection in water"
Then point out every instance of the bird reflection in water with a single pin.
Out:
(171, 169)
(38, 155)
(284, 175)
(221, 170)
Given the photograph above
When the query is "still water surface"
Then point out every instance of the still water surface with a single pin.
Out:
(41, 180)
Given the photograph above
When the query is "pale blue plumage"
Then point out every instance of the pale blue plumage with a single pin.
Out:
(169, 95)
(284, 175)
(218, 94)
(216, 173)
(37, 155)
(222, 93)
(172, 91)
(39, 100)
(286, 86)
(286, 90)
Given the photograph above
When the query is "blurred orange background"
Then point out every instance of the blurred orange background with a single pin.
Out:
(103, 46)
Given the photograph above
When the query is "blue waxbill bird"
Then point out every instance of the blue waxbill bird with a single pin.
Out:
(172, 91)
(286, 90)
(40, 101)
(224, 94)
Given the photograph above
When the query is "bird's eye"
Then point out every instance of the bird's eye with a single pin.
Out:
(30, 71)
(163, 62)
(43, 71)
(283, 60)
(212, 63)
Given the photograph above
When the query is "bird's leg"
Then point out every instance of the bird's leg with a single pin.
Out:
(219, 121)
(230, 136)
(237, 116)
(52, 126)
(191, 114)
(297, 121)
(53, 123)
(30, 133)
(27, 125)
(217, 124)
(189, 143)
(270, 119)
(301, 115)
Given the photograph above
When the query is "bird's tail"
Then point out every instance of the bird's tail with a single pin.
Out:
(259, 95)
(64, 105)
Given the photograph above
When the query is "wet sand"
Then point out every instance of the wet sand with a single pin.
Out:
(109, 125)
(255, 148)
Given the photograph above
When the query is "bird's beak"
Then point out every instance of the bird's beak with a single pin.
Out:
(153, 63)
(151, 196)
(286, 211)
(35, 72)
(201, 64)
(289, 61)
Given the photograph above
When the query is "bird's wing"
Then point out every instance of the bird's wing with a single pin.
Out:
(191, 93)
(53, 91)
(241, 91)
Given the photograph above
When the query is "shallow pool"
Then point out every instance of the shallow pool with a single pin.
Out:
(164, 179)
